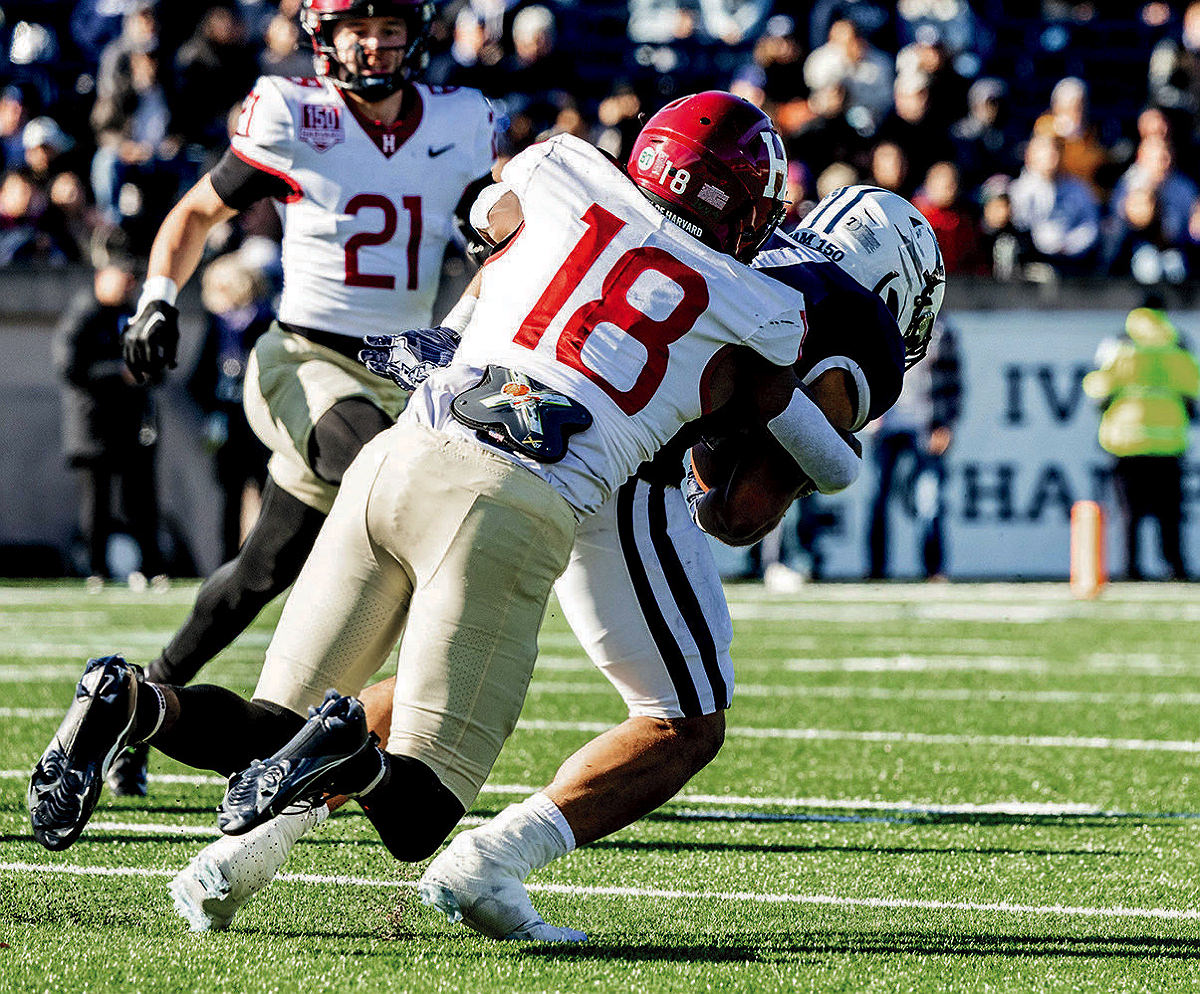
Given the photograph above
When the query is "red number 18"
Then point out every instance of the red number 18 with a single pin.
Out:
(613, 307)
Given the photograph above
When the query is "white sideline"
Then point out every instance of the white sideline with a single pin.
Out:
(1173, 914)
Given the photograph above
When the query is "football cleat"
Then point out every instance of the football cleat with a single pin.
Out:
(472, 882)
(224, 875)
(303, 770)
(127, 776)
(66, 782)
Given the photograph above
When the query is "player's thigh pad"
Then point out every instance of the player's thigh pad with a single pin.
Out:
(290, 383)
(484, 540)
(348, 605)
(644, 598)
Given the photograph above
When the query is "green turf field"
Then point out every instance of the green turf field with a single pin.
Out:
(952, 787)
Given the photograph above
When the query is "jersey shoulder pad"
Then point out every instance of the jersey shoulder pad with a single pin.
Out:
(266, 128)
(469, 114)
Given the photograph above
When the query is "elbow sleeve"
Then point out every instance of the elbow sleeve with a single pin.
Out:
(816, 446)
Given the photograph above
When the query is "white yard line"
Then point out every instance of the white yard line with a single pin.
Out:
(1007, 807)
(831, 900)
(920, 738)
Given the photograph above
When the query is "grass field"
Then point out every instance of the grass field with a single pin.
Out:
(923, 788)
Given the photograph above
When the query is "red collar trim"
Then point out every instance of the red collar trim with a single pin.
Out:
(389, 138)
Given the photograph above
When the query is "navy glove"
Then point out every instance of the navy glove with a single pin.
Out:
(409, 357)
(151, 340)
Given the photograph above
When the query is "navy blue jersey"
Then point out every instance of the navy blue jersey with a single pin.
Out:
(849, 327)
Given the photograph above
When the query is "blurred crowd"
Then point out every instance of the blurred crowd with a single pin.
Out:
(1002, 121)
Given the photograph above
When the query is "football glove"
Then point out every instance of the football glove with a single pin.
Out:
(693, 492)
(151, 340)
(409, 357)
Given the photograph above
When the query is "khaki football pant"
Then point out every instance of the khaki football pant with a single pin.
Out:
(290, 383)
(458, 548)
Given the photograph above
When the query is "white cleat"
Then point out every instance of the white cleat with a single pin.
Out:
(224, 875)
(471, 882)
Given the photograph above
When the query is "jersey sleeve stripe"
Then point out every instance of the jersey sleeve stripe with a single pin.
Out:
(292, 197)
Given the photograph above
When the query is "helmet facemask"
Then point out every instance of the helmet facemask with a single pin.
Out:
(321, 26)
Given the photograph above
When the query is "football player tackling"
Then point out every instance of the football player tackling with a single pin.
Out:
(368, 167)
(450, 716)
(853, 360)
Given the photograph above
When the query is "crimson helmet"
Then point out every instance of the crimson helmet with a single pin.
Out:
(714, 164)
(320, 17)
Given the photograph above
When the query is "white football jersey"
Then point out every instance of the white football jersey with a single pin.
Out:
(371, 208)
(602, 298)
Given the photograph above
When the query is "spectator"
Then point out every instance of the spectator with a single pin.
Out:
(910, 125)
(873, 21)
(537, 69)
(1154, 169)
(110, 430)
(800, 190)
(981, 146)
(917, 431)
(1145, 384)
(282, 55)
(46, 146)
(1058, 212)
(237, 301)
(951, 22)
(927, 56)
(619, 116)
(660, 22)
(955, 226)
(889, 168)
(139, 32)
(733, 22)
(214, 70)
(29, 231)
(1136, 244)
(1082, 154)
(13, 116)
(779, 55)
(134, 172)
(1174, 77)
(867, 74)
(834, 178)
(1003, 246)
(827, 137)
(473, 57)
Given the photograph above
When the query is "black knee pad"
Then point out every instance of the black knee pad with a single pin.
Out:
(339, 435)
(413, 811)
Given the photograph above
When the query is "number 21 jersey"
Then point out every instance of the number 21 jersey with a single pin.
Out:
(370, 208)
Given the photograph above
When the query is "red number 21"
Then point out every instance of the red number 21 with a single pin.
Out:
(613, 307)
(383, 281)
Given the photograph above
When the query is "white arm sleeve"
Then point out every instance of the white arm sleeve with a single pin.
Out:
(815, 444)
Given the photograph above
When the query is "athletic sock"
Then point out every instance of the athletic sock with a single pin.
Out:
(530, 834)
(149, 712)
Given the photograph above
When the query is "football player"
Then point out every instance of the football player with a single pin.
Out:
(869, 311)
(368, 166)
(452, 526)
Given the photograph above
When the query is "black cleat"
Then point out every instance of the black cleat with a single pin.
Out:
(66, 782)
(127, 777)
(302, 771)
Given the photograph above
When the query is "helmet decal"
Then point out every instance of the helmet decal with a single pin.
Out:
(882, 241)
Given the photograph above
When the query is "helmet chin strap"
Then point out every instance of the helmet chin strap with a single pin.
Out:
(371, 86)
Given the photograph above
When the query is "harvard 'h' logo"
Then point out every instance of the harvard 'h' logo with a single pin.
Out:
(387, 144)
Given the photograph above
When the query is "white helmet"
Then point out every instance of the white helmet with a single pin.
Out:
(882, 240)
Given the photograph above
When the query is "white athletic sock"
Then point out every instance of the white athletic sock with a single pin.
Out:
(533, 833)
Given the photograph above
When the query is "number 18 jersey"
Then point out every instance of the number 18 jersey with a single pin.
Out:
(602, 298)
(370, 207)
